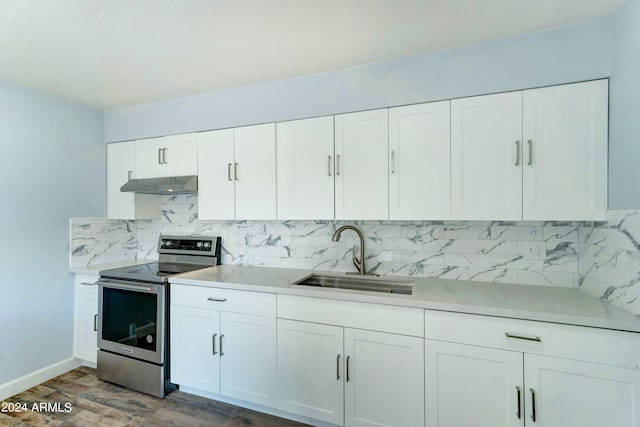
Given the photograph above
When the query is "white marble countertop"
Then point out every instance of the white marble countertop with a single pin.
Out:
(548, 304)
(97, 268)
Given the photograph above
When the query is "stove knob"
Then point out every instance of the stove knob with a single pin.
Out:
(199, 244)
(167, 243)
(206, 245)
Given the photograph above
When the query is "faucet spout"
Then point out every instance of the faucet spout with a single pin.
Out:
(358, 262)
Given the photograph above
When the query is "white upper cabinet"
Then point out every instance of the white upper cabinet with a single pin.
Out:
(175, 155)
(237, 173)
(255, 172)
(120, 168)
(419, 170)
(305, 169)
(565, 152)
(361, 165)
(486, 157)
(216, 185)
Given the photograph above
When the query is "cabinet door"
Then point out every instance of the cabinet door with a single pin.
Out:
(384, 379)
(216, 188)
(255, 174)
(248, 358)
(362, 180)
(86, 318)
(195, 352)
(148, 158)
(310, 370)
(121, 167)
(473, 386)
(166, 156)
(486, 157)
(180, 156)
(569, 393)
(565, 162)
(419, 150)
(305, 169)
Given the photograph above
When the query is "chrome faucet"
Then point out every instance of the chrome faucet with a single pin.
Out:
(359, 263)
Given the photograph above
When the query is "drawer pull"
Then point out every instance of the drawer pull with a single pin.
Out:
(519, 414)
(523, 337)
(87, 284)
(216, 299)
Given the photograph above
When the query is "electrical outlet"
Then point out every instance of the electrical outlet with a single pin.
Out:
(536, 250)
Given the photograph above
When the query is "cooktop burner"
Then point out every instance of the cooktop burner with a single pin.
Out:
(178, 254)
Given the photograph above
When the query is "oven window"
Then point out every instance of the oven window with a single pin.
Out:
(129, 318)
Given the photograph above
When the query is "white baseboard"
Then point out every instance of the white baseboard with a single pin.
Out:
(38, 377)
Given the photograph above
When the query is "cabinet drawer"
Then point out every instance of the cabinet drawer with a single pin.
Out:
(551, 339)
(360, 315)
(258, 303)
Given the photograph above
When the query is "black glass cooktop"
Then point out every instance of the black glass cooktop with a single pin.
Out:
(155, 272)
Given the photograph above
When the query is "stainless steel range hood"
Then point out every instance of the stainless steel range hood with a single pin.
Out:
(169, 185)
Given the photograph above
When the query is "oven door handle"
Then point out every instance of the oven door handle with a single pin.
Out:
(140, 287)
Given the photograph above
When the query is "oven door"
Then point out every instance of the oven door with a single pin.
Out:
(132, 319)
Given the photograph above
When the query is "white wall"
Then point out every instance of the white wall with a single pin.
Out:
(624, 125)
(569, 54)
(53, 167)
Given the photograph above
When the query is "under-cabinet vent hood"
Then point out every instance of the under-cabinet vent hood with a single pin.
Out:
(168, 185)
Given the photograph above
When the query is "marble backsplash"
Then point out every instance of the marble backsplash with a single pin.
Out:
(602, 258)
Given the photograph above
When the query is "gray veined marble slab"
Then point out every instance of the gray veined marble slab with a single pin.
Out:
(541, 303)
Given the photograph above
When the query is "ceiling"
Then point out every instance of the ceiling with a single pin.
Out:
(110, 54)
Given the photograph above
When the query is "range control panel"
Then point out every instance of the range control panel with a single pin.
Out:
(188, 245)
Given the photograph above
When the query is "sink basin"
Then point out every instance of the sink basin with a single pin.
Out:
(358, 283)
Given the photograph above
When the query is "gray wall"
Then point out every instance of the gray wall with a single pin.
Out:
(624, 125)
(575, 53)
(53, 168)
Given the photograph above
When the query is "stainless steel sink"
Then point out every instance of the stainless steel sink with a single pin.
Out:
(359, 283)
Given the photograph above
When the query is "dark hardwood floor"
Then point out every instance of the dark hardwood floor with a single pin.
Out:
(78, 398)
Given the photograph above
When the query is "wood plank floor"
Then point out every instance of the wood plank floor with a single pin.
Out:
(96, 403)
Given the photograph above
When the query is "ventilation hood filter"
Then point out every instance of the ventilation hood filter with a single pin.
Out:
(164, 186)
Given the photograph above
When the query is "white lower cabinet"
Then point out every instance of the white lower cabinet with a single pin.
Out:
(571, 393)
(472, 386)
(223, 352)
(527, 379)
(85, 340)
(380, 375)
(310, 370)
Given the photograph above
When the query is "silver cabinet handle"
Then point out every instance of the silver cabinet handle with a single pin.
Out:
(159, 156)
(348, 377)
(530, 144)
(393, 161)
(523, 337)
(338, 165)
(329, 166)
(221, 352)
(87, 284)
(164, 156)
(533, 405)
(517, 153)
(213, 344)
(235, 171)
(519, 414)
(216, 299)
(229, 172)
(338, 367)
(95, 323)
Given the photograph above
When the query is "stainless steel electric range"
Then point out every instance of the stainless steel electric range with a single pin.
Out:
(133, 313)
